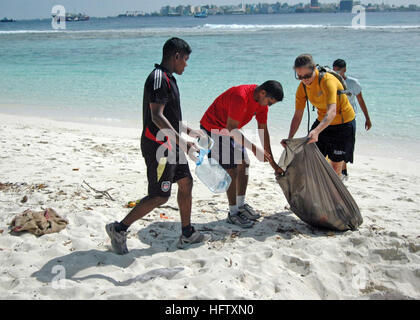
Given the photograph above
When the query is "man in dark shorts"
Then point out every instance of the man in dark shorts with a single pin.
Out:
(163, 148)
(230, 112)
(354, 92)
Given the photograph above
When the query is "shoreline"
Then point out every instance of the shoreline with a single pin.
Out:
(394, 151)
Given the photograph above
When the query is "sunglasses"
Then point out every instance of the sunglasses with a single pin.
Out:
(304, 77)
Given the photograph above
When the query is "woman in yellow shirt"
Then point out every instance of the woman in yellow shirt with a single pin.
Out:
(334, 130)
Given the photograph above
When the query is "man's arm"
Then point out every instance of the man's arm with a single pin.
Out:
(236, 134)
(368, 123)
(163, 124)
(264, 136)
(189, 131)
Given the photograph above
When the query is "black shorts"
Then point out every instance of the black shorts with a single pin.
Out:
(226, 151)
(337, 142)
(162, 173)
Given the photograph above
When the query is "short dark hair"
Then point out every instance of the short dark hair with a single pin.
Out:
(174, 46)
(305, 60)
(273, 88)
(339, 63)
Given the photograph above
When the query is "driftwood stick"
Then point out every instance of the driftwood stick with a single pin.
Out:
(105, 192)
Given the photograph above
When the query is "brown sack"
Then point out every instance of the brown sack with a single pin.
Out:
(38, 223)
(313, 190)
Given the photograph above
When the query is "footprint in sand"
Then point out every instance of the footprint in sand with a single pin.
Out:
(166, 273)
(357, 241)
(198, 263)
(406, 199)
(413, 247)
(303, 267)
(391, 254)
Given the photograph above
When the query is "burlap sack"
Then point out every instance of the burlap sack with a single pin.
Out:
(38, 223)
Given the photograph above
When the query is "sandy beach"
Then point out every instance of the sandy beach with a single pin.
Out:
(280, 258)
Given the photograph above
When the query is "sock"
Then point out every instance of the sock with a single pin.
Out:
(187, 231)
(121, 227)
(240, 201)
(233, 209)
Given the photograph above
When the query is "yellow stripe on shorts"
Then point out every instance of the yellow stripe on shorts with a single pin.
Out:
(161, 167)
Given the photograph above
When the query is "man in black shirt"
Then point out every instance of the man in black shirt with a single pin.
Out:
(163, 148)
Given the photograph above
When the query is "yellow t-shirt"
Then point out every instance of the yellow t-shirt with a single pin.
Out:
(323, 94)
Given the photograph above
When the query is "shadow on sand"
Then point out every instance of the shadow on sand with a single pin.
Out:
(162, 237)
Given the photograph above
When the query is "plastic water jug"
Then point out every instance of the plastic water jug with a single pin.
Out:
(209, 171)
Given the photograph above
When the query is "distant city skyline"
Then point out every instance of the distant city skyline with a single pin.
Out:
(34, 9)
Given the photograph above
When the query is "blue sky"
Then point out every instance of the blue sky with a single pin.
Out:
(27, 9)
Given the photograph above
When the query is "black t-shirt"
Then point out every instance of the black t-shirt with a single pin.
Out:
(160, 87)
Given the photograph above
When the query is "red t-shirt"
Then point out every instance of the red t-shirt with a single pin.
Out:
(237, 103)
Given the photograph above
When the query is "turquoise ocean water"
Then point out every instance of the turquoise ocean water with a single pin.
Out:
(94, 71)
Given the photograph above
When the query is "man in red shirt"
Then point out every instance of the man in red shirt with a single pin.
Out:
(230, 112)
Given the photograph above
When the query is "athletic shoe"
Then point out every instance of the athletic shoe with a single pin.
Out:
(118, 239)
(239, 219)
(249, 212)
(196, 237)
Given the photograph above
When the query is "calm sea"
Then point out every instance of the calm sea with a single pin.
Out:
(94, 71)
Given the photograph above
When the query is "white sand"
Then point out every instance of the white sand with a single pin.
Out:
(380, 260)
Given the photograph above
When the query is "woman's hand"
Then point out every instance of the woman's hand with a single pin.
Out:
(313, 136)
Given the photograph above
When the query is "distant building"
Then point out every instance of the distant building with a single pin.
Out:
(371, 9)
(132, 14)
(234, 10)
(314, 6)
(346, 5)
(164, 11)
(299, 10)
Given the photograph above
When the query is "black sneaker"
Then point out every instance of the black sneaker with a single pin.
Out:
(196, 237)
